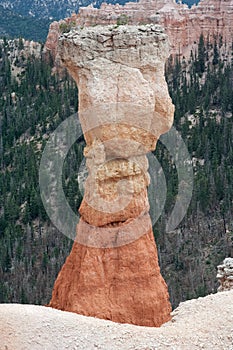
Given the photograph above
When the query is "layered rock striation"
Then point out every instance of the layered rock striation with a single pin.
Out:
(124, 107)
(184, 25)
(212, 18)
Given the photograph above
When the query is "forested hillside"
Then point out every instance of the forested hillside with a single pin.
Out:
(14, 25)
(33, 102)
(202, 91)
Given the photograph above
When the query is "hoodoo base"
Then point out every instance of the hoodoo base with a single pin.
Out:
(120, 284)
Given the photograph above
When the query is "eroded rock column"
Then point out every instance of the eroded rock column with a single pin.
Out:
(124, 106)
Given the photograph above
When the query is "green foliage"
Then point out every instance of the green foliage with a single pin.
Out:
(200, 64)
(66, 26)
(42, 101)
(21, 45)
(216, 54)
(210, 102)
(201, 89)
(122, 19)
(28, 27)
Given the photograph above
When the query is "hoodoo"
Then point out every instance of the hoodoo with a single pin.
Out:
(124, 107)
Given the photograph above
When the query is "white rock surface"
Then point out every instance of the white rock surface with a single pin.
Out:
(204, 323)
(119, 71)
(225, 275)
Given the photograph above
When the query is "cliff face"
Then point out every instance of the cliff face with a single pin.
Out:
(183, 25)
(124, 106)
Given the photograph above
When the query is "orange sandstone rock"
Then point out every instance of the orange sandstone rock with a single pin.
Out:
(121, 284)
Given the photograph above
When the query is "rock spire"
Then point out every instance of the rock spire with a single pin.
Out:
(124, 107)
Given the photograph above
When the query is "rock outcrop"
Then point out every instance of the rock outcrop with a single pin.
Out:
(225, 275)
(124, 107)
(212, 18)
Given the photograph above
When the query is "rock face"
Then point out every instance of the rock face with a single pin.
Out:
(124, 106)
(52, 39)
(121, 284)
(225, 275)
(183, 25)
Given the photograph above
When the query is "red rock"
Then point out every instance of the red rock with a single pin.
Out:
(121, 284)
(52, 40)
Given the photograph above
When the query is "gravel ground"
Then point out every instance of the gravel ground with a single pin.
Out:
(204, 323)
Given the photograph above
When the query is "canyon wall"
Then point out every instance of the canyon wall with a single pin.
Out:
(183, 25)
(124, 107)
